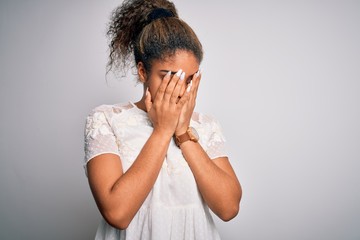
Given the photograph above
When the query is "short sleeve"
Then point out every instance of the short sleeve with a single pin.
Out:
(99, 136)
(215, 146)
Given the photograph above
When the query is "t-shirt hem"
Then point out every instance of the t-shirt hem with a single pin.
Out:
(95, 155)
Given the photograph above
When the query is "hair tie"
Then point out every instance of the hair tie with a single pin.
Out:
(158, 13)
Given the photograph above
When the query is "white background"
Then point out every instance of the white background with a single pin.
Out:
(282, 77)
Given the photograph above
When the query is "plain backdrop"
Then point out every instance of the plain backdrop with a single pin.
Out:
(282, 77)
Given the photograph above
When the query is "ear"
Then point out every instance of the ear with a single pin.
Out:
(141, 72)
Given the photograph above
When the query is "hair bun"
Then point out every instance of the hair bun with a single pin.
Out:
(158, 13)
(147, 30)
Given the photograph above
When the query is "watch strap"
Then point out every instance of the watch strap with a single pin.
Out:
(188, 135)
(182, 138)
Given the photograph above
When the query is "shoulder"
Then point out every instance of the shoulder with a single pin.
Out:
(99, 119)
(208, 127)
(103, 115)
(107, 110)
(204, 119)
(206, 123)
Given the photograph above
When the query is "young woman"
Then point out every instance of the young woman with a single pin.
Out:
(155, 167)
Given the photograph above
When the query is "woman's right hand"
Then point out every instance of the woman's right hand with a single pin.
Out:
(165, 110)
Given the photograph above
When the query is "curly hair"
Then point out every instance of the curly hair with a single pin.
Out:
(133, 39)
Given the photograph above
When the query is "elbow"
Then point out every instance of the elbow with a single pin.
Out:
(230, 213)
(116, 220)
(231, 208)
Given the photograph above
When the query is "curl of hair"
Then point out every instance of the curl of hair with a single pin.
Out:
(134, 39)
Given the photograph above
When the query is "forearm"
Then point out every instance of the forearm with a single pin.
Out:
(131, 188)
(219, 188)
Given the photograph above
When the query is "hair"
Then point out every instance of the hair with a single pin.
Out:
(134, 39)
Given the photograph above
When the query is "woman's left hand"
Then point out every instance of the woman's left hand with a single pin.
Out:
(188, 108)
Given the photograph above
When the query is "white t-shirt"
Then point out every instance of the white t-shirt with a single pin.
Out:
(174, 208)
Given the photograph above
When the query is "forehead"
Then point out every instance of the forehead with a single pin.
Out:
(181, 59)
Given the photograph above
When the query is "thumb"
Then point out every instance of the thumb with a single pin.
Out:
(148, 103)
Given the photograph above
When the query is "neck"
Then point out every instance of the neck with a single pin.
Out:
(141, 104)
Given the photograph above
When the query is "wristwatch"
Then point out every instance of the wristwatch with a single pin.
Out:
(190, 134)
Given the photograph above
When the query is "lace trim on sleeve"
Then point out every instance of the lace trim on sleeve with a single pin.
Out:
(99, 136)
(215, 140)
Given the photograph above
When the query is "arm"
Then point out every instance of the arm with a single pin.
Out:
(216, 180)
(120, 195)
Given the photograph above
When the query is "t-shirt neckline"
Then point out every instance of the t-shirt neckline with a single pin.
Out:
(136, 107)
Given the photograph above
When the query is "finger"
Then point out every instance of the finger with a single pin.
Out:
(184, 99)
(162, 88)
(192, 92)
(196, 80)
(177, 91)
(148, 103)
(195, 84)
(171, 86)
(189, 90)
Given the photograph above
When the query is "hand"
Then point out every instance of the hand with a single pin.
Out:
(189, 106)
(164, 112)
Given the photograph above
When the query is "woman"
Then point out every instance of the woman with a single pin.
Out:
(155, 167)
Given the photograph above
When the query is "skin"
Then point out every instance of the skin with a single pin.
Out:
(169, 105)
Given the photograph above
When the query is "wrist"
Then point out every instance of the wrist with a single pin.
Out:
(189, 135)
(163, 133)
(181, 131)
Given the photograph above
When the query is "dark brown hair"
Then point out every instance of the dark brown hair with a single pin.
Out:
(133, 39)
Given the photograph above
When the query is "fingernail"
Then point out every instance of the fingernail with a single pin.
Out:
(189, 88)
(197, 73)
(200, 71)
(179, 73)
(182, 77)
(168, 74)
(147, 91)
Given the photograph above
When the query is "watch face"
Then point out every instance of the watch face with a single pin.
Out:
(193, 134)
